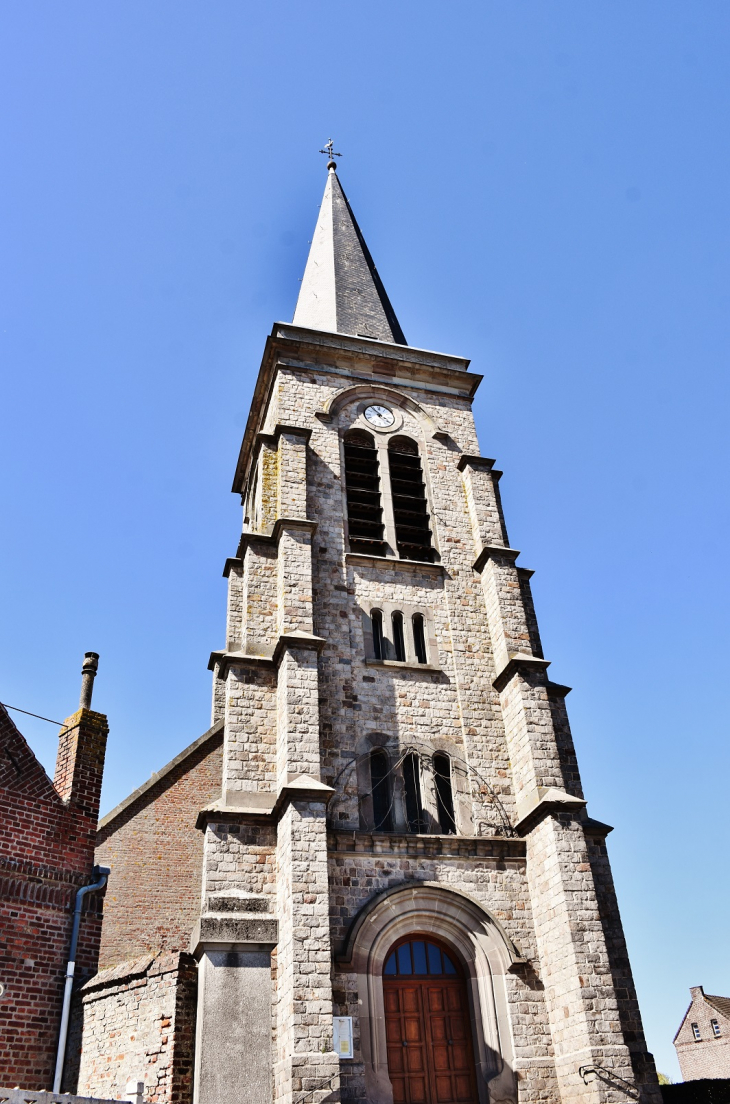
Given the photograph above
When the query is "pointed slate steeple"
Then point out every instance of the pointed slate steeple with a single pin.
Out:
(341, 291)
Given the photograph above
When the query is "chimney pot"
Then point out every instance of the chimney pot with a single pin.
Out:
(88, 674)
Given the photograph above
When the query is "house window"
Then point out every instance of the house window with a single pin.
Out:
(399, 641)
(380, 790)
(376, 620)
(696, 1032)
(715, 1028)
(444, 793)
(412, 786)
(410, 508)
(362, 481)
(419, 638)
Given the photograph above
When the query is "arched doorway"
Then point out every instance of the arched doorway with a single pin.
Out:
(427, 1024)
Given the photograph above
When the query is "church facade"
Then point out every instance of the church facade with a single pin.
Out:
(375, 878)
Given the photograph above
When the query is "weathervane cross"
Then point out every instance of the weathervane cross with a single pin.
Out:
(330, 151)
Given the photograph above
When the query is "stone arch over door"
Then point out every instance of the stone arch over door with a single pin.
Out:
(485, 953)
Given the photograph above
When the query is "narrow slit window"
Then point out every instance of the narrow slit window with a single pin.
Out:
(419, 638)
(444, 793)
(399, 640)
(364, 506)
(696, 1032)
(412, 784)
(376, 620)
(410, 508)
(715, 1028)
(380, 790)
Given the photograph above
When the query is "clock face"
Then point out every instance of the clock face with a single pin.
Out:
(380, 416)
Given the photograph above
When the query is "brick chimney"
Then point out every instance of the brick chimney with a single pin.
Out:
(81, 749)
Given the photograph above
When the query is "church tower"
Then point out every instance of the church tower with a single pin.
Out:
(404, 899)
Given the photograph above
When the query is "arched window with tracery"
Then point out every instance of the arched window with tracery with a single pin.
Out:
(444, 793)
(410, 506)
(362, 485)
(381, 791)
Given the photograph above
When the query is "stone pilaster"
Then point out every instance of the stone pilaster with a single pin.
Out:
(306, 1062)
(574, 963)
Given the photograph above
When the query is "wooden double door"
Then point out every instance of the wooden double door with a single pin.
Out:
(428, 1027)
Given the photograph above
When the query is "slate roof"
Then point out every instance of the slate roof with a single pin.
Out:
(341, 290)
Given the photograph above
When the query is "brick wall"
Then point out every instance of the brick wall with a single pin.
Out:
(46, 854)
(708, 1056)
(156, 855)
(138, 1023)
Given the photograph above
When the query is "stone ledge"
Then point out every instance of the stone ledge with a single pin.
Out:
(469, 460)
(279, 428)
(295, 639)
(542, 801)
(239, 805)
(519, 662)
(273, 537)
(391, 561)
(342, 842)
(491, 551)
(233, 931)
(404, 665)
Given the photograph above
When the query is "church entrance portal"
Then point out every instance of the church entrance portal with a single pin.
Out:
(427, 1024)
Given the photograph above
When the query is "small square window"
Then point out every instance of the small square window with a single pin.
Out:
(715, 1027)
(696, 1031)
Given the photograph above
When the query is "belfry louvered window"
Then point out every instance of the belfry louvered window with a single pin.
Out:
(410, 508)
(364, 507)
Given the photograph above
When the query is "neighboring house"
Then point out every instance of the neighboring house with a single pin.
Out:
(47, 840)
(703, 1040)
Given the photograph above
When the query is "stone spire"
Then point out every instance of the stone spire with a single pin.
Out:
(341, 291)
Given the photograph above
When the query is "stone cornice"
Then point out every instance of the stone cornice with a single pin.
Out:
(281, 523)
(292, 430)
(297, 639)
(481, 463)
(224, 659)
(264, 806)
(542, 801)
(518, 662)
(342, 842)
(298, 348)
(494, 551)
(229, 931)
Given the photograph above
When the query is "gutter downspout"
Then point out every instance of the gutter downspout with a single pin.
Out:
(102, 873)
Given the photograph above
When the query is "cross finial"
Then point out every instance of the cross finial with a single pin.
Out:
(330, 151)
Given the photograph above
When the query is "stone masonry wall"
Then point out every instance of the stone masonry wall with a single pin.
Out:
(708, 1056)
(492, 872)
(138, 1023)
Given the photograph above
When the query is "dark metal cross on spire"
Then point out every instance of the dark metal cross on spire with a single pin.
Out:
(330, 151)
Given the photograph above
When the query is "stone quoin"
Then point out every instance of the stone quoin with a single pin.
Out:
(385, 823)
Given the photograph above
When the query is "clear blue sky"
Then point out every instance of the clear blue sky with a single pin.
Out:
(544, 187)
